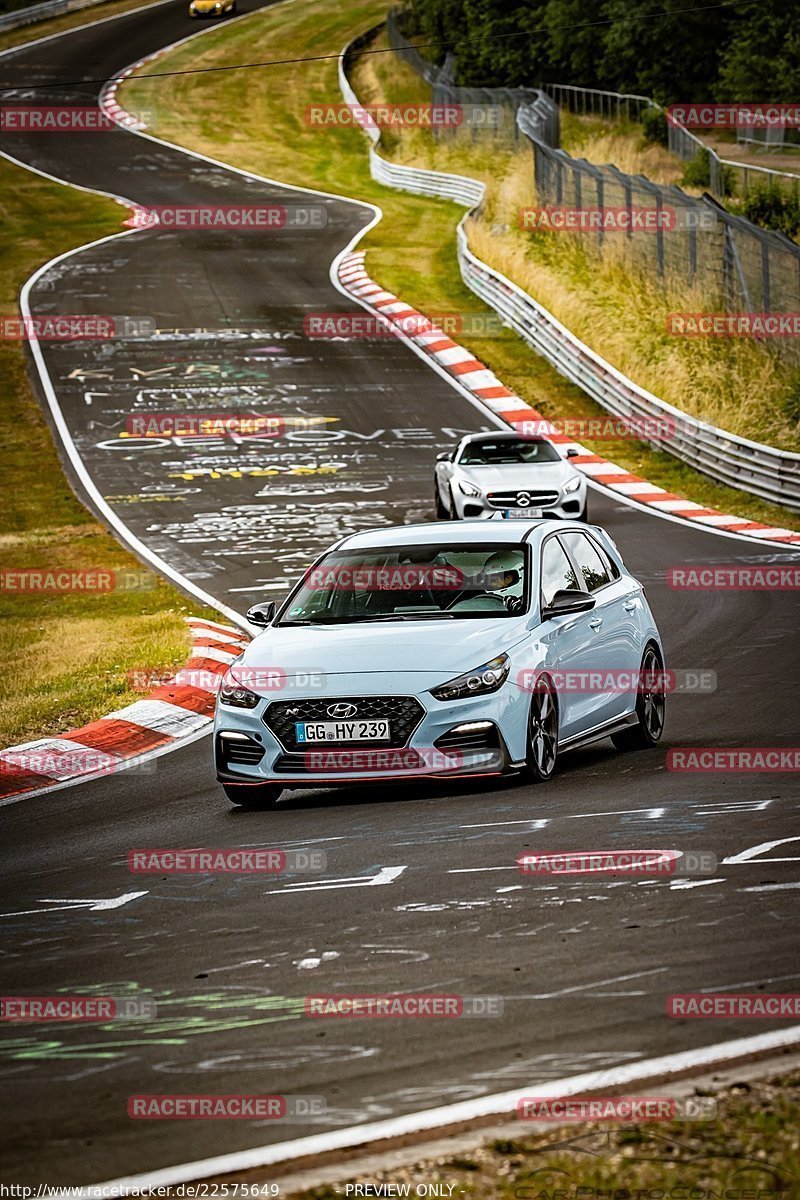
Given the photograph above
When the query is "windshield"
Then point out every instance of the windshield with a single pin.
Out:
(491, 451)
(411, 583)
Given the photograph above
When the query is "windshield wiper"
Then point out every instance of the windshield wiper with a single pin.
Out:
(404, 616)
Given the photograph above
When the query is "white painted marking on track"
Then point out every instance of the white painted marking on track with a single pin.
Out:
(76, 905)
(770, 887)
(384, 876)
(588, 987)
(749, 855)
(680, 885)
(533, 823)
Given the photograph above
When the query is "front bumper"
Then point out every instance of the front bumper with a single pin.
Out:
(247, 751)
(566, 507)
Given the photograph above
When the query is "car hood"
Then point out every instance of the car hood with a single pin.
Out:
(433, 650)
(518, 475)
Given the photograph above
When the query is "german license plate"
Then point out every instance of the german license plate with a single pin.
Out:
(524, 512)
(342, 731)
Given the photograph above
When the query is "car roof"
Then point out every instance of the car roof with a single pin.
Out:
(460, 533)
(502, 435)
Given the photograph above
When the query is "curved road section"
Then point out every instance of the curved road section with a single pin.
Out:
(419, 891)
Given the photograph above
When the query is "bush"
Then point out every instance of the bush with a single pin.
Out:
(772, 208)
(697, 173)
(654, 125)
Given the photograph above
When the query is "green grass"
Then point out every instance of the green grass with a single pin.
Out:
(254, 119)
(63, 657)
(748, 1152)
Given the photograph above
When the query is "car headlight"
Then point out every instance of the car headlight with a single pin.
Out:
(573, 484)
(468, 489)
(232, 693)
(480, 682)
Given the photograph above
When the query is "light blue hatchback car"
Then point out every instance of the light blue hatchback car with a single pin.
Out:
(442, 650)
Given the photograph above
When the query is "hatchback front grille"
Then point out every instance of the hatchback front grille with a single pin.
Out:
(403, 712)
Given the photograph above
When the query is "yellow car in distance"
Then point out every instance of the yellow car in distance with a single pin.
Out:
(211, 8)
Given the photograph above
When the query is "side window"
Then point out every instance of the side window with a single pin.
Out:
(594, 570)
(613, 569)
(557, 572)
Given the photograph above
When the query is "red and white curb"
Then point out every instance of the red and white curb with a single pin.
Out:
(177, 711)
(485, 387)
(107, 100)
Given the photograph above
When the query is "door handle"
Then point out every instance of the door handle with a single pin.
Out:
(596, 623)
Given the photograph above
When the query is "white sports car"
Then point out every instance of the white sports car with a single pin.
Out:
(505, 472)
(441, 650)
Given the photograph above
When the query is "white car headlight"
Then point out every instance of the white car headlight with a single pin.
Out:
(480, 682)
(468, 489)
(573, 484)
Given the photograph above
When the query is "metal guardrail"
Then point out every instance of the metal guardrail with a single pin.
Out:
(41, 12)
(762, 470)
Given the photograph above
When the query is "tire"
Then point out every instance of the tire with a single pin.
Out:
(452, 514)
(441, 512)
(258, 797)
(541, 756)
(584, 516)
(650, 709)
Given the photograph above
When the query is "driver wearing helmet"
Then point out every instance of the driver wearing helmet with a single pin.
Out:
(502, 577)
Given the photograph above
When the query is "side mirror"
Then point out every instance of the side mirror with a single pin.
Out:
(568, 600)
(572, 452)
(446, 456)
(261, 614)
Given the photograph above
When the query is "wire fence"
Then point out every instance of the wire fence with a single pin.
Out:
(675, 238)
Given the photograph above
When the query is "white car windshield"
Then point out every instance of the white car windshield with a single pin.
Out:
(490, 452)
(409, 583)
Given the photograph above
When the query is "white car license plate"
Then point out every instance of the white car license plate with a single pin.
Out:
(524, 512)
(342, 731)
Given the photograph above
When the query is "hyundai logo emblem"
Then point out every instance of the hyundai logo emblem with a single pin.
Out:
(342, 710)
(523, 499)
